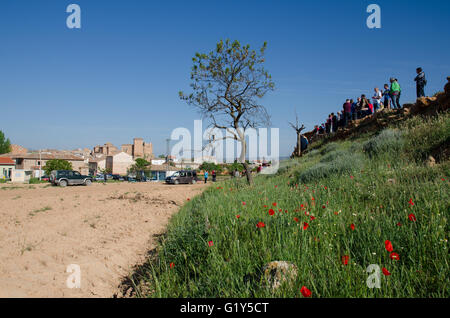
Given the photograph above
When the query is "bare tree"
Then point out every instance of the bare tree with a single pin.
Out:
(298, 130)
(227, 85)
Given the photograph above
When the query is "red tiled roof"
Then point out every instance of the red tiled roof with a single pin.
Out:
(6, 161)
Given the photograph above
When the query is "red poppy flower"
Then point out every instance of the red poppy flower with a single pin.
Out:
(352, 226)
(238, 216)
(345, 259)
(271, 212)
(411, 203)
(306, 213)
(385, 272)
(305, 225)
(301, 205)
(172, 265)
(188, 199)
(296, 220)
(305, 292)
(265, 206)
(388, 246)
(323, 206)
(274, 204)
(336, 213)
(399, 224)
(352, 177)
(243, 203)
(279, 210)
(325, 188)
(395, 256)
(285, 211)
(276, 186)
(412, 217)
(260, 225)
(312, 199)
(210, 243)
(312, 218)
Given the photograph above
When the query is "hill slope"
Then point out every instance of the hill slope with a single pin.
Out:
(332, 212)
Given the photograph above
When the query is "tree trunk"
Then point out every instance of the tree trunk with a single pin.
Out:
(242, 157)
(299, 145)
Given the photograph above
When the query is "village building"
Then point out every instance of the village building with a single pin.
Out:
(7, 167)
(18, 149)
(35, 162)
(161, 172)
(107, 149)
(119, 163)
(139, 149)
(97, 165)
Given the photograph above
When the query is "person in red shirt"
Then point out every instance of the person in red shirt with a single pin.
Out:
(347, 112)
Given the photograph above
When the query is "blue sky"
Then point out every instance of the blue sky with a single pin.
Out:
(118, 77)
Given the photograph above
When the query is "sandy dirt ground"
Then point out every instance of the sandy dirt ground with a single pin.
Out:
(104, 229)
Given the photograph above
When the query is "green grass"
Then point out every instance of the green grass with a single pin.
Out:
(367, 182)
(44, 209)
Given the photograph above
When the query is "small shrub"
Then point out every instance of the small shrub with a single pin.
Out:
(34, 181)
(389, 141)
(333, 156)
(344, 163)
(328, 148)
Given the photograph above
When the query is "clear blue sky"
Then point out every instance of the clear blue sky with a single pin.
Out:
(118, 77)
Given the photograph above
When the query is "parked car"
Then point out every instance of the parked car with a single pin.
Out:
(118, 177)
(67, 177)
(183, 176)
(45, 178)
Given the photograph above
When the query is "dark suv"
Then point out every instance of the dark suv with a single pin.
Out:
(184, 176)
(67, 177)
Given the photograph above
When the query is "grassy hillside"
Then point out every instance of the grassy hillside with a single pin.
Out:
(354, 195)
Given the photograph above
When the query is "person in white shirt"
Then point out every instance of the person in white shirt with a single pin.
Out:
(376, 98)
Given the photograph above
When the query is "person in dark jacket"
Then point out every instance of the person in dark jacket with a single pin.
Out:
(420, 82)
(334, 122)
(347, 111)
(214, 176)
(328, 125)
(387, 97)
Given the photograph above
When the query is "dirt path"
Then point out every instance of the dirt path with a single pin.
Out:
(105, 229)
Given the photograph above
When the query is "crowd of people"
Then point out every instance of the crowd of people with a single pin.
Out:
(388, 98)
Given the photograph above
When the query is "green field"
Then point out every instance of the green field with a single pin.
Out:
(378, 183)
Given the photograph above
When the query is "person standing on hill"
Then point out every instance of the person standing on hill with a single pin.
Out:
(364, 106)
(214, 176)
(206, 176)
(387, 98)
(353, 109)
(347, 112)
(328, 125)
(420, 82)
(334, 123)
(395, 92)
(377, 97)
(359, 108)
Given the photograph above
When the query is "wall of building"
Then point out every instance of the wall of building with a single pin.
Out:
(127, 148)
(119, 163)
(138, 148)
(6, 171)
